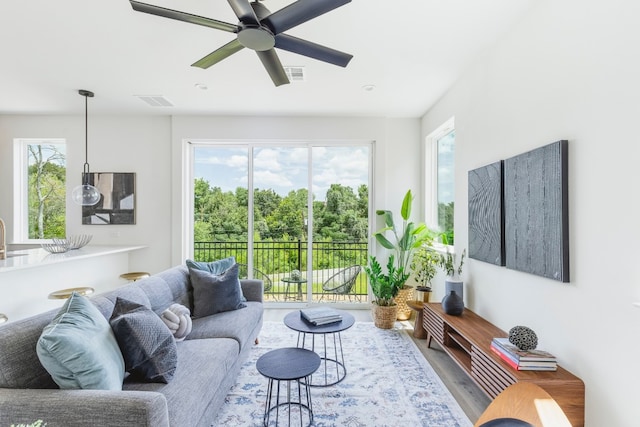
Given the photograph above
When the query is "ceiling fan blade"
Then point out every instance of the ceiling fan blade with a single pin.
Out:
(312, 50)
(299, 12)
(219, 54)
(273, 66)
(244, 12)
(183, 16)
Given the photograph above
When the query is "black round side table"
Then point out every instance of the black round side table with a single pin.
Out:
(330, 348)
(290, 365)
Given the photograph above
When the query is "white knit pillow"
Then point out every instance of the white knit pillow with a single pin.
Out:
(178, 319)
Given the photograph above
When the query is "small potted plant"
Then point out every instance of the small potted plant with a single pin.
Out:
(385, 288)
(424, 266)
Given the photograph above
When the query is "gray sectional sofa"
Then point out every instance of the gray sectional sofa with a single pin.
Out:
(209, 360)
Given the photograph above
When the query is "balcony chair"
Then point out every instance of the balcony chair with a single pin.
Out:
(341, 283)
(257, 274)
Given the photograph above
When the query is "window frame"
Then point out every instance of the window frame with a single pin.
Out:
(21, 186)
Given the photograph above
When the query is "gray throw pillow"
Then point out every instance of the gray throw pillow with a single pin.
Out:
(147, 345)
(215, 293)
(215, 267)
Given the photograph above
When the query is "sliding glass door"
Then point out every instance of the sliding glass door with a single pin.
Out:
(252, 201)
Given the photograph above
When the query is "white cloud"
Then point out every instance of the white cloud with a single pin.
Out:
(268, 178)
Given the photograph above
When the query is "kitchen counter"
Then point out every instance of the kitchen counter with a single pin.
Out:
(30, 258)
(28, 276)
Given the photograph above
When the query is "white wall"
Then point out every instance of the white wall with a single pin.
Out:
(396, 168)
(568, 71)
(116, 144)
(151, 147)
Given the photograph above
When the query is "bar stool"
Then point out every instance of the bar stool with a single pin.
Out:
(66, 293)
(3, 318)
(135, 275)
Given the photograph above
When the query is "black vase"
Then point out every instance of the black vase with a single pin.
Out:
(453, 304)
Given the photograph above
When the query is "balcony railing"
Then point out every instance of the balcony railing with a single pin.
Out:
(276, 260)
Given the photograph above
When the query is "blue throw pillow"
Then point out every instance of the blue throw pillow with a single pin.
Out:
(79, 350)
(214, 267)
(215, 293)
(148, 346)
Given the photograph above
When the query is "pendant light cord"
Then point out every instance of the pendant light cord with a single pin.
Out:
(86, 95)
(86, 141)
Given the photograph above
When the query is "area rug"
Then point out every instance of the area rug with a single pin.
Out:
(388, 383)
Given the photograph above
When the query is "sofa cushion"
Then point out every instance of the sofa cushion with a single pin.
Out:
(238, 324)
(79, 350)
(147, 345)
(215, 293)
(203, 367)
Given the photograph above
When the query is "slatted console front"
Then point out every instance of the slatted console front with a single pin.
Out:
(467, 339)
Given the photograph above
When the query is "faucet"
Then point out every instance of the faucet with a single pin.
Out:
(3, 240)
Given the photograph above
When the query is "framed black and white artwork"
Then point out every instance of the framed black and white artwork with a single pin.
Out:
(117, 199)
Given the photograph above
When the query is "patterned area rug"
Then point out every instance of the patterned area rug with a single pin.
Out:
(388, 383)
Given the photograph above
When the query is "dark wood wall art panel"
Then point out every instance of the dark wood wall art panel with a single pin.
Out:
(486, 219)
(536, 212)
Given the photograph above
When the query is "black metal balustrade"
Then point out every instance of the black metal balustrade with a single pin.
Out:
(278, 259)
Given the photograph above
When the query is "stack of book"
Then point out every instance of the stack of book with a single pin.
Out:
(320, 315)
(530, 360)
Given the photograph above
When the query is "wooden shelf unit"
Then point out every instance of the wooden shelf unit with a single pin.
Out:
(467, 339)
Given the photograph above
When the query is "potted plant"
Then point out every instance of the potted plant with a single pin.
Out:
(424, 266)
(403, 243)
(385, 287)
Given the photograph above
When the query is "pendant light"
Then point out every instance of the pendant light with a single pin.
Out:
(86, 194)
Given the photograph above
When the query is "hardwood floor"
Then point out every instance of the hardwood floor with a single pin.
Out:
(471, 399)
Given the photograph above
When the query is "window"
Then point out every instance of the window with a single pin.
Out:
(40, 199)
(284, 210)
(441, 144)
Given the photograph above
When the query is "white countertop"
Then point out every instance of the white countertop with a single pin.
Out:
(29, 258)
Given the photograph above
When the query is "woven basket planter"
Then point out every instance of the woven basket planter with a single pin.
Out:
(404, 295)
(384, 317)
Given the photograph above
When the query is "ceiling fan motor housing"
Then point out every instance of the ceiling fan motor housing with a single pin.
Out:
(257, 38)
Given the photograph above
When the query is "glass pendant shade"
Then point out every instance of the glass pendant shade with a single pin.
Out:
(85, 194)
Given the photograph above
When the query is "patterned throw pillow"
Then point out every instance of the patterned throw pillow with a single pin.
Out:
(79, 350)
(146, 343)
(215, 293)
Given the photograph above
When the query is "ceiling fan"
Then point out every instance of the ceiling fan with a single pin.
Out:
(260, 30)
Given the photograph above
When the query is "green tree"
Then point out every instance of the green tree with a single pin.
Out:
(47, 191)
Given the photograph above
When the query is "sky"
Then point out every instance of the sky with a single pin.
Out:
(283, 168)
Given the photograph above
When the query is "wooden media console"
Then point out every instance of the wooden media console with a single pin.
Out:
(467, 339)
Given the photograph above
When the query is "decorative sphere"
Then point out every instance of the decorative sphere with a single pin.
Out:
(522, 337)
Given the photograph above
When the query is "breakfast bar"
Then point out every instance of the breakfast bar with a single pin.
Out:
(28, 276)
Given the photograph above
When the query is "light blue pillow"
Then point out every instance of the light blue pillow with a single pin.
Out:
(79, 350)
(214, 267)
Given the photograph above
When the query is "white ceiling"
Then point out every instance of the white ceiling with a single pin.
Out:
(411, 50)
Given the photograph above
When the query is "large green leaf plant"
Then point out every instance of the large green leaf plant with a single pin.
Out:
(403, 241)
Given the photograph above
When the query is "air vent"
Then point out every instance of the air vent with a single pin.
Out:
(295, 74)
(155, 100)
